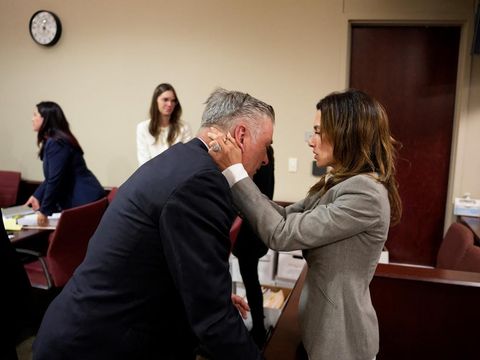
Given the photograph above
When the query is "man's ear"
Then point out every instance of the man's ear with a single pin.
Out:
(239, 135)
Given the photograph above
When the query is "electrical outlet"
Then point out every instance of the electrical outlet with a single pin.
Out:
(292, 164)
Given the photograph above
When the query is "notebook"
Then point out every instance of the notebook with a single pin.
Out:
(17, 211)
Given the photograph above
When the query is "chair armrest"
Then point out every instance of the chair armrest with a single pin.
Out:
(32, 253)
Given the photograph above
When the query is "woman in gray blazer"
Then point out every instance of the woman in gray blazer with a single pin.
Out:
(341, 225)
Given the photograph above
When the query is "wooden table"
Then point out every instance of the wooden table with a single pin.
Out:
(25, 234)
(34, 239)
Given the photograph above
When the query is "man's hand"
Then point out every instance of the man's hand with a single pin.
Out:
(241, 305)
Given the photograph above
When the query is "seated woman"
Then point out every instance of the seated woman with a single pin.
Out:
(68, 182)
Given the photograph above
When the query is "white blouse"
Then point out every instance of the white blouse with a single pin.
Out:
(148, 148)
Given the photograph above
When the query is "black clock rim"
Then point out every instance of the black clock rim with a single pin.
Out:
(59, 27)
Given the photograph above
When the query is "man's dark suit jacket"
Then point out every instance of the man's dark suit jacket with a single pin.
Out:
(155, 281)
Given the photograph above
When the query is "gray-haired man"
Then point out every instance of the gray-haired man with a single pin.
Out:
(155, 281)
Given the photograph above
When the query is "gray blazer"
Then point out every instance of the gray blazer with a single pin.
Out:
(342, 234)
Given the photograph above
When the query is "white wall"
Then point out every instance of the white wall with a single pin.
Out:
(289, 53)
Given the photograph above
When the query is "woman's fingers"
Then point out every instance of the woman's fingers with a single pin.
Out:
(218, 137)
(214, 133)
(33, 203)
(215, 146)
(42, 219)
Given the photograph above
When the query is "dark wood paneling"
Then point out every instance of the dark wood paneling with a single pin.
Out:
(412, 72)
(426, 313)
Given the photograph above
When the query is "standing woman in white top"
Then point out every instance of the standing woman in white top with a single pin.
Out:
(164, 128)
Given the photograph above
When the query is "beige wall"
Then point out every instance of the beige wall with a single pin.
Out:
(289, 53)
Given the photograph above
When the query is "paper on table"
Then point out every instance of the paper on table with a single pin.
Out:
(273, 299)
(30, 221)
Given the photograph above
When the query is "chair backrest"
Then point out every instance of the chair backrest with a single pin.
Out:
(68, 243)
(9, 183)
(111, 194)
(458, 250)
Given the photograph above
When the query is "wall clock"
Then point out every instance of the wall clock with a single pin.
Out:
(45, 28)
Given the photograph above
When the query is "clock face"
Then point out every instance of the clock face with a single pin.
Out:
(45, 28)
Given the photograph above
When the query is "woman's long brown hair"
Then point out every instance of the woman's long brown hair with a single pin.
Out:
(357, 126)
(155, 117)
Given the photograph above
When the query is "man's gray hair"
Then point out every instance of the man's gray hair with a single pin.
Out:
(225, 108)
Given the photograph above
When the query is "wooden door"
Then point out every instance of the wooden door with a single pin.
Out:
(412, 71)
